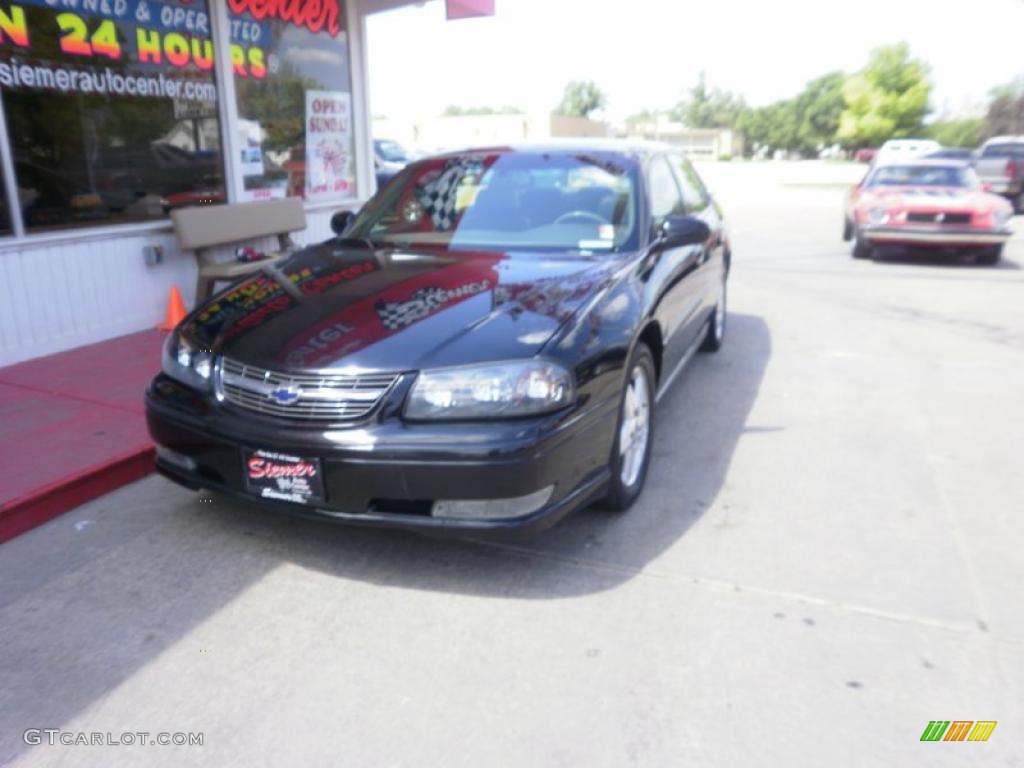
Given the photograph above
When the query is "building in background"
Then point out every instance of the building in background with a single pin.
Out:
(114, 113)
(710, 143)
(445, 132)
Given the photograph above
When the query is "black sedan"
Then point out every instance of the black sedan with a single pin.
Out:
(480, 349)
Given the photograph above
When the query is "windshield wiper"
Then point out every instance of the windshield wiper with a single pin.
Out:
(364, 242)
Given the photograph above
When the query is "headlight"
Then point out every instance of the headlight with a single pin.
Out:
(183, 361)
(878, 215)
(1001, 218)
(490, 391)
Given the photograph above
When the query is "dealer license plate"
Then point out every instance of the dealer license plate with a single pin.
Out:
(283, 477)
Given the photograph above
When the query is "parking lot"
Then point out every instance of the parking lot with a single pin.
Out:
(826, 557)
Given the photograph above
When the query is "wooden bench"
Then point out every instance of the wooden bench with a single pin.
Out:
(204, 229)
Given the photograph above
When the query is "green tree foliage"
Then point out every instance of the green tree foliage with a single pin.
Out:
(818, 110)
(581, 98)
(805, 124)
(968, 132)
(887, 99)
(1006, 110)
(713, 108)
(771, 128)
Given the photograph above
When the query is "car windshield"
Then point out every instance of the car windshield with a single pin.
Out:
(391, 151)
(1003, 150)
(583, 202)
(922, 176)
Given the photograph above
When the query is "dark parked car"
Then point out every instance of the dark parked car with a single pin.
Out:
(481, 349)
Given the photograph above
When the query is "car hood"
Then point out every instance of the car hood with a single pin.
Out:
(348, 307)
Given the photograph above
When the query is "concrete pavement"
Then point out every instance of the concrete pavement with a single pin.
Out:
(826, 557)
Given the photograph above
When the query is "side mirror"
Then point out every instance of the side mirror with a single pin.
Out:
(678, 231)
(341, 221)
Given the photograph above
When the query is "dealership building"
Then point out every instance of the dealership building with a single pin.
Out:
(115, 113)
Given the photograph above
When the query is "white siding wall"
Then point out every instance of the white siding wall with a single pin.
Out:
(60, 294)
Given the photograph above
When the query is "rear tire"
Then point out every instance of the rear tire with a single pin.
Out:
(991, 255)
(862, 248)
(634, 430)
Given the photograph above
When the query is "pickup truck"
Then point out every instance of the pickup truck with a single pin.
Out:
(1000, 166)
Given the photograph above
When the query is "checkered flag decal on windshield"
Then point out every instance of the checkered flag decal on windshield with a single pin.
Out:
(439, 197)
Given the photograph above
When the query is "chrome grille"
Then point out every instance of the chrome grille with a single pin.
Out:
(323, 396)
(939, 217)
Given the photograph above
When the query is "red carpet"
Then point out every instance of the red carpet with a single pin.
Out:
(72, 427)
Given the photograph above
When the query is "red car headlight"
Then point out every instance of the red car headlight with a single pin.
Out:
(878, 215)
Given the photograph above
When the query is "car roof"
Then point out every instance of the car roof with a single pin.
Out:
(1005, 140)
(628, 147)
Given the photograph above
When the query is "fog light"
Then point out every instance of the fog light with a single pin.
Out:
(492, 509)
(175, 458)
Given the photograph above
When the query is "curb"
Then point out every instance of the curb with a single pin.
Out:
(22, 514)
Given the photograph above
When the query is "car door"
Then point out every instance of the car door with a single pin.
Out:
(711, 260)
(678, 297)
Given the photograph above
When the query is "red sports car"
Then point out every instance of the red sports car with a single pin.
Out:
(926, 203)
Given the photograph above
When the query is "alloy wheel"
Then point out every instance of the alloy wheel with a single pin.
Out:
(636, 423)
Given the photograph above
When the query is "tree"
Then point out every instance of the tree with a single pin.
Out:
(805, 124)
(966, 132)
(771, 128)
(581, 98)
(819, 108)
(1006, 110)
(713, 108)
(887, 99)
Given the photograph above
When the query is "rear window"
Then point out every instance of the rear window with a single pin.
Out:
(1003, 150)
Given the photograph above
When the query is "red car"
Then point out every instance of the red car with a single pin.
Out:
(865, 155)
(926, 203)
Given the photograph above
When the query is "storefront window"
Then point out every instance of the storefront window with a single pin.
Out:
(111, 109)
(5, 211)
(293, 86)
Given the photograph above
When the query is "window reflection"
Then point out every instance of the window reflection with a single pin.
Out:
(293, 88)
(109, 120)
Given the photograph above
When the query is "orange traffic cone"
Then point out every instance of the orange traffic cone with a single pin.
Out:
(175, 310)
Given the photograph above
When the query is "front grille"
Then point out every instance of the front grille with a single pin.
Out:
(314, 396)
(939, 217)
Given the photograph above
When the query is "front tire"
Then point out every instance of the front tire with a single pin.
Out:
(847, 230)
(862, 248)
(631, 449)
(991, 255)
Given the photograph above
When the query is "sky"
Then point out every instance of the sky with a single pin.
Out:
(647, 53)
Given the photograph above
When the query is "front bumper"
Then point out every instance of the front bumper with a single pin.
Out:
(385, 472)
(934, 237)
